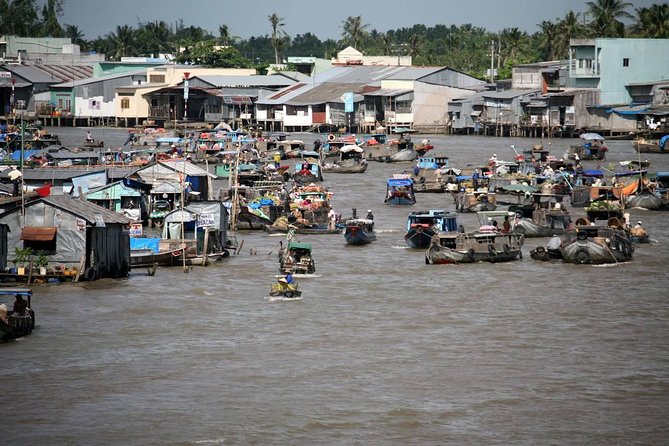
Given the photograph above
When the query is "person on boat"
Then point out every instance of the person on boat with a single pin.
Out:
(493, 160)
(506, 226)
(555, 243)
(475, 179)
(289, 278)
(332, 219)
(277, 160)
(89, 137)
(20, 305)
(283, 283)
(638, 230)
(494, 225)
(370, 216)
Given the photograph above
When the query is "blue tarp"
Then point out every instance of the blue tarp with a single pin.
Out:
(145, 243)
(663, 141)
(397, 182)
(16, 156)
(593, 173)
(260, 203)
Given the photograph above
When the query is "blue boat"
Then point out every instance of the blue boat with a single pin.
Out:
(359, 231)
(422, 226)
(400, 192)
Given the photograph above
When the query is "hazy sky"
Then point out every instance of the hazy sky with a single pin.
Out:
(246, 18)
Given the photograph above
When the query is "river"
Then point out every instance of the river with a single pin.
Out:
(382, 349)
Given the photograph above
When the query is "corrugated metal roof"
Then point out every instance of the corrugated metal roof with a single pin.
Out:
(327, 92)
(91, 80)
(68, 72)
(219, 81)
(84, 209)
(508, 94)
(48, 174)
(32, 74)
(390, 92)
(184, 166)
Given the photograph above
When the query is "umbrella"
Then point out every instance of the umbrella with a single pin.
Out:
(592, 137)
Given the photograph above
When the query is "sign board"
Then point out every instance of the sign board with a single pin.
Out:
(185, 89)
(205, 220)
(237, 100)
(348, 101)
(135, 229)
(99, 221)
(5, 74)
(81, 224)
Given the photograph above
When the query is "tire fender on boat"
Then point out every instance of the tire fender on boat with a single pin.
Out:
(507, 249)
(491, 249)
(331, 137)
(471, 253)
(89, 274)
(582, 256)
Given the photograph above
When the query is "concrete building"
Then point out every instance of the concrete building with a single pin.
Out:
(44, 50)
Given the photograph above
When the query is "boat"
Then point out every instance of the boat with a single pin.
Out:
(350, 161)
(359, 231)
(307, 171)
(651, 146)
(309, 208)
(16, 324)
(403, 155)
(597, 245)
(424, 147)
(422, 226)
(284, 289)
(395, 150)
(474, 247)
(593, 148)
(475, 201)
(545, 217)
(429, 174)
(399, 191)
(544, 254)
(295, 258)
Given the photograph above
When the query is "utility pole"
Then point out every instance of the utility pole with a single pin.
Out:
(492, 61)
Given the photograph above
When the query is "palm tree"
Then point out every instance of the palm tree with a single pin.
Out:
(652, 22)
(224, 34)
(354, 30)
(277, 35)
(568, 28)
(75, 34)
(122, 42)
(415, 44)
(154, 38)
(548, 32)
(387, 43)
(513, 41)
(607, 16)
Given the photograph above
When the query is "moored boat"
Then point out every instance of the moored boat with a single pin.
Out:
(651, 146)
(295, 258)
(474, 247)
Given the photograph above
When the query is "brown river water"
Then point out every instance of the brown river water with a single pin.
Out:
(382, 349)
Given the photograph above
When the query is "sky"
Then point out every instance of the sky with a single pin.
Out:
(247, 18)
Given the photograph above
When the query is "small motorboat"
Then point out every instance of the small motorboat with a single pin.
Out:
(21, 321)
(284, 289)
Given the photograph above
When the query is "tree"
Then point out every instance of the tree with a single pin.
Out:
(278, 36)
(50, 12)
(548, 35)
(75, 34)
(652, 22)
(607, 16)
(122, 42)
(153, 38)
(21, 19)
(354, 30)
(415, 45)
(387, 43)
(224, 34)
(203, 53)
(568, 28)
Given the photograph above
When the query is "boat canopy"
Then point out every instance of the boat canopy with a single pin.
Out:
(15, 291)
(593, 173)
(592, 137)
(298, 245)
(399, 182)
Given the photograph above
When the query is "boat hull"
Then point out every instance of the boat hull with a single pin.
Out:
(356, 235)
(419, 238)
(590, 252)
(439, 255)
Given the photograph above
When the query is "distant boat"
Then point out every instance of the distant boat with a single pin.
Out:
(359, 231)
(399, 192)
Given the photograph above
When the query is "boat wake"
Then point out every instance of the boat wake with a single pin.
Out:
(299, 276)
(281, 298)
(399, 247)
(385, 231)
(610, 265)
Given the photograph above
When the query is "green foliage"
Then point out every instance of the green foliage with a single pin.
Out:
(205, 54)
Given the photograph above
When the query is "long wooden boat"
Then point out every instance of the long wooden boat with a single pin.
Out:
(399, 192)
(474, 247)
(296, 258)
(651, 146)
(346, 166)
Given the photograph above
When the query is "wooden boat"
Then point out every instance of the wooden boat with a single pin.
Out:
(474, 247)
(399, 191)
(545, 217)
(593, 148)
(422, 226)
(429, 175)
(308, 171)
(651, 146)
(286, 290)
(543, 254)
(403, 155)
(12, 324)
(597, 245)
(359, 231)
(295, 258)
(350, 161)
(475, 201)
(424, 147)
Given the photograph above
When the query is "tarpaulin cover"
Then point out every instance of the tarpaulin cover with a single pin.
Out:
(145, 243)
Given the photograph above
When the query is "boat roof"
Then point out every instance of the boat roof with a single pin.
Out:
(400, 182)
(298, 245)
(15, 291)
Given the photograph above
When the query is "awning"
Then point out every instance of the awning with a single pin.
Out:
(475, 113)
(38, 234)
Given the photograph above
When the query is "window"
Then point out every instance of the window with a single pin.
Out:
(125, 103)
(626, 62)
(40, 239)
(157, 78)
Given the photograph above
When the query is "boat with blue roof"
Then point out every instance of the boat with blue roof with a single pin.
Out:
(400, 191)
(422, 226)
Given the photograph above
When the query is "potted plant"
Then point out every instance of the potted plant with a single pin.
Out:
(21, 257)
(42, 262)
